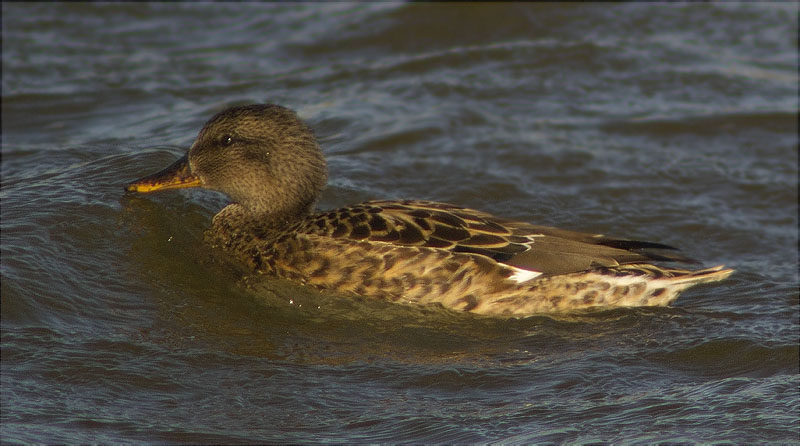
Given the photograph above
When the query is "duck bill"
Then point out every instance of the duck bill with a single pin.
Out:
(176, 176)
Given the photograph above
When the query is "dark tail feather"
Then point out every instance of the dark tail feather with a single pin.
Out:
(644, 248)
(633, 245)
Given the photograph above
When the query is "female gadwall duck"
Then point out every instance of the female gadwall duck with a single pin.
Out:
(267, 161)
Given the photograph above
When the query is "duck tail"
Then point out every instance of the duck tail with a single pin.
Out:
(680, 281)
(713, 274)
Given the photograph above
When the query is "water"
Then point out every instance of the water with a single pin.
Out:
(672, 123)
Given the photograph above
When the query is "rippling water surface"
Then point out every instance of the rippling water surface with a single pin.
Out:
(672, 123)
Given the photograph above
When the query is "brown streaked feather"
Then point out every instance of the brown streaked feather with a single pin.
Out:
(457, 280)
(456, 229)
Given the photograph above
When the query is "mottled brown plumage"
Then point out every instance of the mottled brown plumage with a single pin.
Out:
(268, 162)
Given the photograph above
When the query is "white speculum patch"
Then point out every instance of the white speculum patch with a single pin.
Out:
(520, 275)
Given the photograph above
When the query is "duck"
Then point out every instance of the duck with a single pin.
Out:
(268, 162)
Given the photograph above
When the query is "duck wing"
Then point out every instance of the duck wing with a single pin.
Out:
(540, 249)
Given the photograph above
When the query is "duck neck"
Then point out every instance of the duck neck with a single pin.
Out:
(236, 223)
(272, 217)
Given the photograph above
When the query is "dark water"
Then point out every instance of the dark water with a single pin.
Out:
(672, 123)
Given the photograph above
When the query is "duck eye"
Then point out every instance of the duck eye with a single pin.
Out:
(226, 140)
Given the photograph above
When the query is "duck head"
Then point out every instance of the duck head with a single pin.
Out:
(263, 157)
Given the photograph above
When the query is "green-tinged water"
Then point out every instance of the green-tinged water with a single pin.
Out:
(675, 123)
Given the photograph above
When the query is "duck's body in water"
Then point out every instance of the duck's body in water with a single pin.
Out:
(268, 162)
